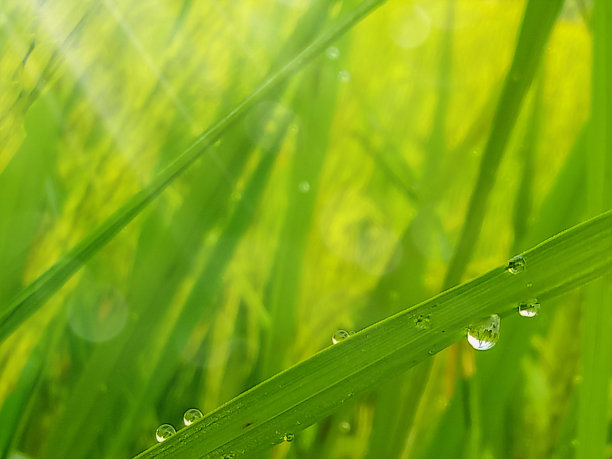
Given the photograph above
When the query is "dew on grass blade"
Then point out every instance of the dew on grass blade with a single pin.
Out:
(332, 53)
(191, 416)
(164, 432)
(422, 322)
(516, 265)
(340, 335)
(484, 335)
(529, 308)
(288, 437)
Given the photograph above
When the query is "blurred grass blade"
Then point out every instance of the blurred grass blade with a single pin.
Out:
(593, 410)
(311, 390)
(538, 21)
(35, 294)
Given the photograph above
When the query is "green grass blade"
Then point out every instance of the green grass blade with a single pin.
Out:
(35, 294)
(304, 394)
(539, 18)
(593, 410)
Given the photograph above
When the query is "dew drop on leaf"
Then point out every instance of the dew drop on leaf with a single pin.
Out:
(422, 322)
(529, 308)
(340, 335)
(516, 264)
(288, 437)
(485, 334)
(164, 432)
(191, 416)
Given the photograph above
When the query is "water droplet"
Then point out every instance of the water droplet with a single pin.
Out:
(304, 186)
(344, 427)
(431, 352)
(529, 308)
(340, 335)
(164, 432)
(344, 76)
(529, 284)
(288, 437)
(229, 456)
(332, 53)
(422, 322)
(516, 264)
(191, 416)
(485, 334)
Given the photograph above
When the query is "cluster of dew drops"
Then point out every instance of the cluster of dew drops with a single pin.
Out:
(484, 335)
(481, 335)
(165, 431)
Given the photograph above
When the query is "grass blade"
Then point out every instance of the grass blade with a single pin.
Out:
(302, 395)
(539, 18)
(593, 409)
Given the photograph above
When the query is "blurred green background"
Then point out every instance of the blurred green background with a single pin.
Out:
(336, 201)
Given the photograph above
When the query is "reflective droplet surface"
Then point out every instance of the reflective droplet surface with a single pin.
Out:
(191, 416)
(332, 53)
(340, 335)
(485, 334)
(164, 432)
(529, 308)
(288, 437)
(344, 76)
(422, 322)
(516, 265)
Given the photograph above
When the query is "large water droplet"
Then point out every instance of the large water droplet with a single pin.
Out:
(516, 264)
(340, 335)
(191, 416)
(529, 308)
(289, 437)
(485, 334)
(164, 432)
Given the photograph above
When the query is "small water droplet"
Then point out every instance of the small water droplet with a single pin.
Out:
(304, 186)
(431, 352)
(422, 322)
(164, 432)
(236, 196)
(332, 53)
(485, 334)
(289, 437)
(344, 427)
(344, 76)
(229, 456)
(529, 308)
(516, 264)
(529, 284)
(340, 335)
(191, 416)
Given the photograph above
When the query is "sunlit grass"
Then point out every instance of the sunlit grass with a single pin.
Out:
(415, 155)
